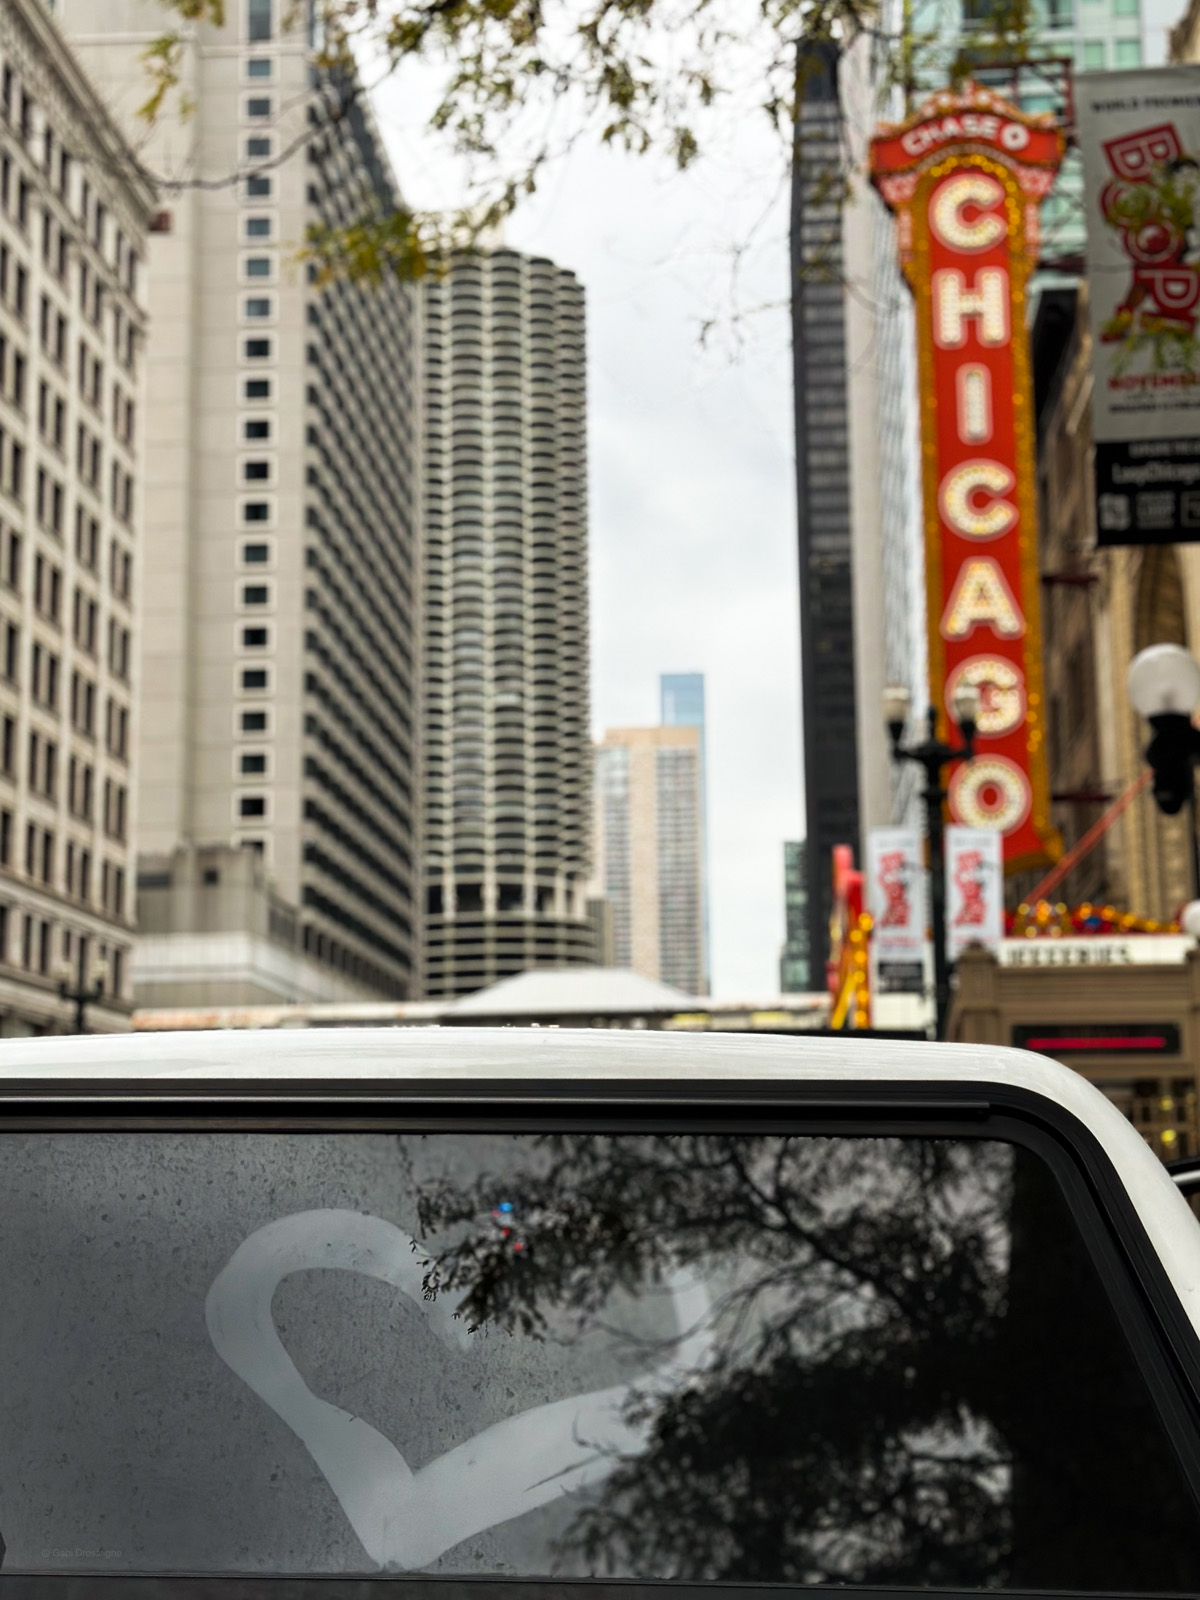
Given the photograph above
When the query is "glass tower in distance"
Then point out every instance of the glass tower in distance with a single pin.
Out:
(681, 696)
(795, 963)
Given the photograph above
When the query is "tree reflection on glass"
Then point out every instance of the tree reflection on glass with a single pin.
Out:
(916, 1377)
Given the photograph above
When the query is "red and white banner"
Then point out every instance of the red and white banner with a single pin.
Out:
(965, 176)
(896, 892)
(974, 890)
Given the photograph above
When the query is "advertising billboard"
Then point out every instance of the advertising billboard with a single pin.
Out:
(965, 176)
(1140, 138)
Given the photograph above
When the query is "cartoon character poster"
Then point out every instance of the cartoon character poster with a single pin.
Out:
(974, 890)
(1140, 137)
(896, 901)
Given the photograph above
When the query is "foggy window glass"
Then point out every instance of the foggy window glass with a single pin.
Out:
(704, 1357)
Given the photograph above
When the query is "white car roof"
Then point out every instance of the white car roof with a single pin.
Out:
(427, 1056)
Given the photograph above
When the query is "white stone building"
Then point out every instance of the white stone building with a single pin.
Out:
(649, 852)
(282, 582)
(73, 220)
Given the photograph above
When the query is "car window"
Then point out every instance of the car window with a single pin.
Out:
(701, 1357)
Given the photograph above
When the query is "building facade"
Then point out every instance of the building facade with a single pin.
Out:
(648, 852)
(73, 221)
(681, 696)
(507, 797)
(795, 963)
(282, 574)
(1125, 1014)
(887, 532)
(1102, 605)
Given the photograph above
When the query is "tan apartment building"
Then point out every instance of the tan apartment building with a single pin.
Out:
(282, 573)
(73, 221)
(1100, 607)
(507, 818)
(648, 852)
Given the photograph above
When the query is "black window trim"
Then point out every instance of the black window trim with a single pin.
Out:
(1164, 1342)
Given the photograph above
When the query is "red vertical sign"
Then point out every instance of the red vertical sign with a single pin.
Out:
(965, 176)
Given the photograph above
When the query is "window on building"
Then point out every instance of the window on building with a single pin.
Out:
(258, 186)
(258, 147)
(258, 388)
(254, 722)
(256, 554)
(256, 511)
(253, 763)
(1127, 53)
(257, 428)
(258, 267)
(258, 67)
(258, 106)
(252, 805)
(255, 638)
(258, 350)
(255, 594)
(259, 306)
(257, 228)
(254, 678)
(258, 21)
(256, 471)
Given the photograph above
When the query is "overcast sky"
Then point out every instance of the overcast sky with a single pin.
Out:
(692, 499)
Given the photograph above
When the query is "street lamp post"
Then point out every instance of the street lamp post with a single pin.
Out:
(1164, 687)
(933, 756)
(79, 994)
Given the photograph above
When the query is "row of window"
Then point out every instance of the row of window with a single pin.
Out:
(36, 943)
(253, 762)
(50, 493)
(1094, 55)
(20, 110)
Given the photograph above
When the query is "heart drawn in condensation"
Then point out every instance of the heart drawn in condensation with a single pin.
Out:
(403, 1518)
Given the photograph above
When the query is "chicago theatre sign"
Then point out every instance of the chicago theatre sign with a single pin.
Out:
(965, 176)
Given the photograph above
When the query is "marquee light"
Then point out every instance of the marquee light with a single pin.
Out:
(990, 792)
(971, 497)
(963, 214)
(981, 598)
(1001, 693)
(974, 405)
(965, 175)
(955, 306)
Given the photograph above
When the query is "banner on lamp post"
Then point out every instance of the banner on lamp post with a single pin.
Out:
(896, 901)
(974, 889)
(1139, 133)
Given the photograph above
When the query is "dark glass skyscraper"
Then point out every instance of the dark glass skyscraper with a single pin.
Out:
(823, 481)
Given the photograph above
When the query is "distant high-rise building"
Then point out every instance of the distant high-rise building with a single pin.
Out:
(648, 854)
(281, 586)
(507, 750)
(822, 415)
(795, 963)
(74, 214)
(682, 706)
